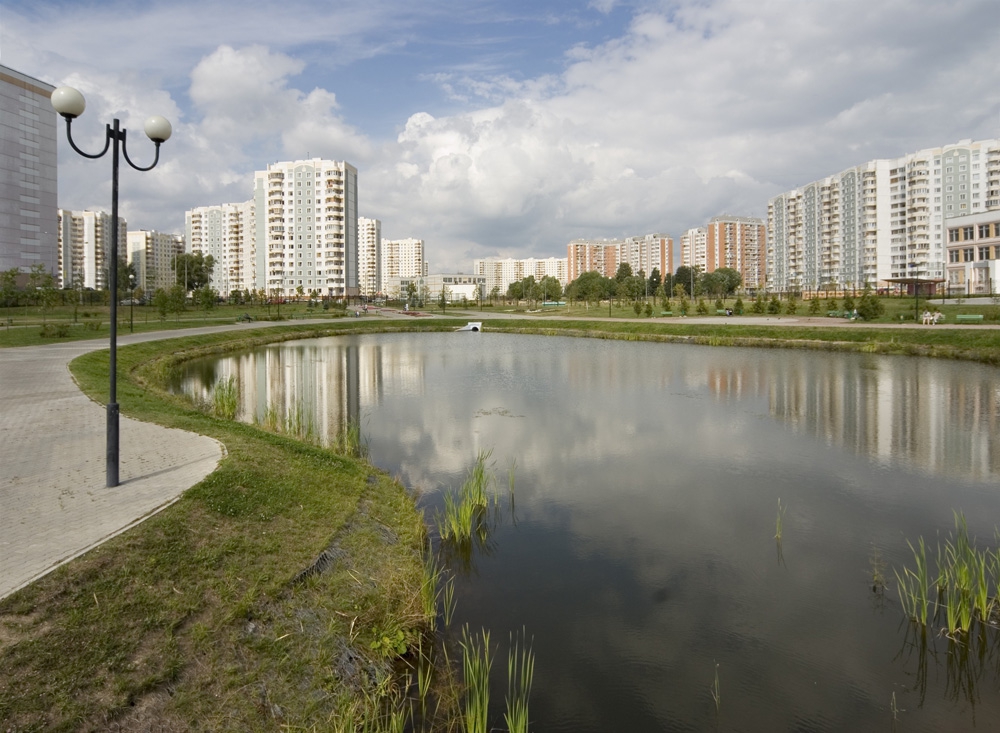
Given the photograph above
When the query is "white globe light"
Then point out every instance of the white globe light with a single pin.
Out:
(68, 102)
(158, 129)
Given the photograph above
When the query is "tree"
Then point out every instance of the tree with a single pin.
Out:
(792, 305)
(590, 287)
(494, 294)
(686, 277)
(729, 280)
(205, 297)
(624, 271)
(161, 301)
(660, 294)
(655, 280)
(8, 285)
(815, 305)
(177, 299)
(870, 306)
(774, 306)
(551, 288)
(193, 270)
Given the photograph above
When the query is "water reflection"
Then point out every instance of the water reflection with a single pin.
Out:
(648, 477)
(937, 416)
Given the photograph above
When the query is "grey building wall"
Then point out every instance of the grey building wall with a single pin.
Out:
(28, 204)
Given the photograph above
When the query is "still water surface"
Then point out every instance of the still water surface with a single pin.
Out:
(648, 478)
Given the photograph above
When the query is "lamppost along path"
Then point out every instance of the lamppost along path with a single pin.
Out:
(70, 103)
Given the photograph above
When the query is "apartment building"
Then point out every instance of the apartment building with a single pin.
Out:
(880, 222)
(973, 266)
(739, 243)
(591, 255)
(306, 228)
(369, 256)
(227, 233)
(152, 254)
(646, 253)
(84, 247)
(500, 272)
(694, 248)
(402, 258)
(29, 222)
(456, 287)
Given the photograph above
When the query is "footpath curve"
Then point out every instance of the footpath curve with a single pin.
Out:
(54, 505)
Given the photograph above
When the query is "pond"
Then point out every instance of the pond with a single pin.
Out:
(641, 556)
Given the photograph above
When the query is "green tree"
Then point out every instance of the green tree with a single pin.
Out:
(792, 305)
(551, 288)
(648, 310)
(494, 294)
(8, 285)
(870, 306)
(815, 306)
(758, 306)
(728, 279)
(624, 272)
(193, 271)
(177, 299)
(738, 307)
(687, 278)
(660, 294)
(637, 307)
(161, 301)
(411, 293)
(205, 298)
(590, 287)
(848, 303)
(774, 306)
(655, 280)
(702, 309)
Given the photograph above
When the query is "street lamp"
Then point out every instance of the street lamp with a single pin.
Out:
(69, 103)
(131, 300)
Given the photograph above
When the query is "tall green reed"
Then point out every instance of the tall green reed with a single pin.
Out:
(476, 665)
(226, 398)
(520, 673)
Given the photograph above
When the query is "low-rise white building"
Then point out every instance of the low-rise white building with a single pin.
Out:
(456, 287)
(973, 266)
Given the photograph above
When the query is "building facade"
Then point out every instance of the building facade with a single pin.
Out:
(402, 258)
(306, 228)
(227, 233)
(500, 272)
(739, 243)
(694, 248)
(152, 254)
(973, 266)
(647, 253)
(369, 256)
(84, 247)
(29, 220)
(880, 221)
(591, 255)
(456, 287)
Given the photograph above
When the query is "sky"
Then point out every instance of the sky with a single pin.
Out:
(509, 128)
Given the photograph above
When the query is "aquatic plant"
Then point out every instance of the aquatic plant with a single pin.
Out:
(520, 672)
(778, 521)
(966, 582)
(476, 665)
(716, 691)
(226, 398)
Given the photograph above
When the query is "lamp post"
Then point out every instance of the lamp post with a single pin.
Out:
(69, 103)
(131, 301)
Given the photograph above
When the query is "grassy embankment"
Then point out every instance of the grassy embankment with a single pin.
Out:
(207, 616)
(201, 618)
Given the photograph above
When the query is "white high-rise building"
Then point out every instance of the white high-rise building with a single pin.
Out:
(880, 221)
(402, 258)
(307, 228)
(226, 232)
(369, 256)
(500, 272)
(646, 253)
(84, 247)
(152, 254)
(28, 208)
(694, 248)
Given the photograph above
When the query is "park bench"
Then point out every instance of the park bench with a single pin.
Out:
(834, 314)
(666, 313)
(969, 318)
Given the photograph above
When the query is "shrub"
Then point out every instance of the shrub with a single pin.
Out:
(52, 330)
(738, 307)
(702, 308)
(774, 307)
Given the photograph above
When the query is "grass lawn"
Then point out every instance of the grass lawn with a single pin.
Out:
(201, 617)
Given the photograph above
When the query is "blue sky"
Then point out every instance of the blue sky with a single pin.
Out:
(509, 128)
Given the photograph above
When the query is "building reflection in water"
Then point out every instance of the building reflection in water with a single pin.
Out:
(925, 413)
(936, 416)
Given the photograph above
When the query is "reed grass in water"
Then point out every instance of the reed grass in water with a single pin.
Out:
(226, 398)
(520, 672)
(476, 665)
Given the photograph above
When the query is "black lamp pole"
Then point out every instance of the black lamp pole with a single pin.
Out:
(69, 103)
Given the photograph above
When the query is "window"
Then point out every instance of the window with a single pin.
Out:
(984, 253)
(968, 254)
(984, 231)
(953, 255)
